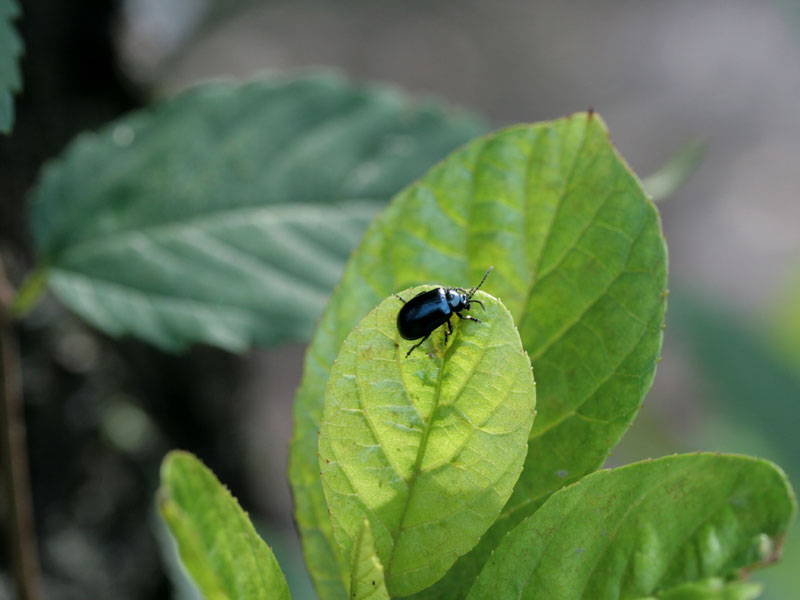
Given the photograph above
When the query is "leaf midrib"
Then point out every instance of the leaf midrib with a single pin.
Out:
(416, 469)
(214, 218)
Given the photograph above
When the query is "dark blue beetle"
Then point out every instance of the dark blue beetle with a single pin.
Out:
(426, 311)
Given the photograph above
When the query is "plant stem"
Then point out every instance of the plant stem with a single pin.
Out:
(22, 536)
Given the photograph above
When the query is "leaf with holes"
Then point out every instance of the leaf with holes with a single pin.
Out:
(225, 215)
(580, 262)
(643, 530)
(426, 447)
(217, 543)
(366, 572)
(10, 50)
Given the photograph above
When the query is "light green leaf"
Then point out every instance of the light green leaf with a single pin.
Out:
(713, 588)
(10, 51)
(645, 528)
(427, 447)
(580, 262)
(217, 542)
(225, 215)
(366, 572)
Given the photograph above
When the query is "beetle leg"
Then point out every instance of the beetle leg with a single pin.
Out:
(403, 301)
(477, 302)
(448, 332)
(468, 317)
(462, 290)
(416, 345)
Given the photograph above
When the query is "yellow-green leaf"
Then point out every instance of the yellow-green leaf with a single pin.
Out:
(426, 447)
(366, 572)
(217, 542)
(580, 262)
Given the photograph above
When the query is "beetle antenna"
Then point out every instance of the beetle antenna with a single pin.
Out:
(475, 289)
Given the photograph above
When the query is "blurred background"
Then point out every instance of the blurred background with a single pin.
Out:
(102, 412)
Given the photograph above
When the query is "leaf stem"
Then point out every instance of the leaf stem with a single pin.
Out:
(22, 536)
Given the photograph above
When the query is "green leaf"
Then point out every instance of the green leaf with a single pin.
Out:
(738, 367)
(217, 543)
(10, 51)
(225, 215)
(580, 262)
(427, 447)
(645, 528)
(366, 573)
(713, 588)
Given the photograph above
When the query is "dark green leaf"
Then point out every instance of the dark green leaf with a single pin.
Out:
(217, 543)
(225, 215)
(10, 51)
(745, 376)
(580, 262)
(644, 529)
(427, 447)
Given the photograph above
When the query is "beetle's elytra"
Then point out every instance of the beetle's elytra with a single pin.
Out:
(426, 311)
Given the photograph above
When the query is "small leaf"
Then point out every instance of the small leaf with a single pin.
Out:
(366, 572)
(580, 262)
(224, 216)
(649, 527)
(217, 542)
(678, 169)
(427, 447)
(10, 51)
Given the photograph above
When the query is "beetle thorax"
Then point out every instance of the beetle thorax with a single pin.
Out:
(456, 301)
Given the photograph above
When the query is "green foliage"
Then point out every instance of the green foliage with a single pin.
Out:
(740, 369)
(642, 530)
(366, 573)
(10, 51)
(225, 215)
(216, 541)
(580, 262)
(426, 447)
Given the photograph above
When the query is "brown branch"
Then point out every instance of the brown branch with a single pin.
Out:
(22, 538)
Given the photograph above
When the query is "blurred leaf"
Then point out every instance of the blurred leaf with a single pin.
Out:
(785, 321)
(366, 572)
(677, 170)
(580, 262)
(644, 529)
(754, 387)
(217, 542)
(427, 447)
(748, 380)
(10, 51)
(225, 215)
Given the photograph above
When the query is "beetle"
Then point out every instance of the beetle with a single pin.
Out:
(426, 311)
